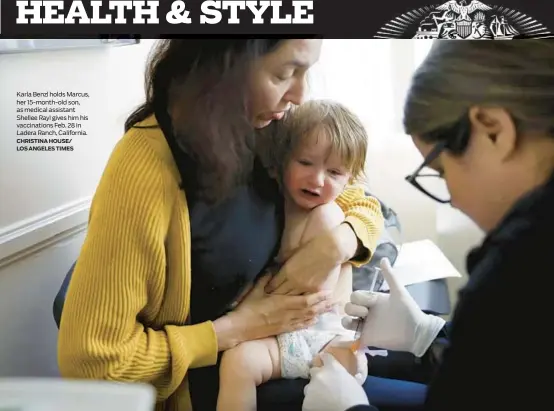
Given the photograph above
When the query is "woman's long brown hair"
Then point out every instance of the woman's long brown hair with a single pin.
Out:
(203, 86)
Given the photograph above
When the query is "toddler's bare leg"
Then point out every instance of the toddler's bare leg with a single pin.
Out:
(242, 369)
(323, 217)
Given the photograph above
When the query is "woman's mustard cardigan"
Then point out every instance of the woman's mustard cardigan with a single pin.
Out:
(126, 309)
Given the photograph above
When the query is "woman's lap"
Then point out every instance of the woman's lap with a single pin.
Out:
(389, 386)
(386, 393)
(402, 366)
(281, 394)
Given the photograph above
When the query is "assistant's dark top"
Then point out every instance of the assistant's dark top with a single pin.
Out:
(231, 243)
(500, 346)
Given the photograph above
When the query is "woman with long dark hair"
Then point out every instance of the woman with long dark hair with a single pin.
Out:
(185, 218)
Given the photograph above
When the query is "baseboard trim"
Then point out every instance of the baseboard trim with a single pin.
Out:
(30, 236)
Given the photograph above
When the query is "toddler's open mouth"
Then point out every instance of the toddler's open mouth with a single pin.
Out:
(310, 192)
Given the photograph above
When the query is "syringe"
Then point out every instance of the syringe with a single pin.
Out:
(357, 336)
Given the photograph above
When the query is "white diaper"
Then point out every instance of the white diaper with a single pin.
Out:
(297, 349)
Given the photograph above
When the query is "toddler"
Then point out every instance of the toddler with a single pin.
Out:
(317, 149)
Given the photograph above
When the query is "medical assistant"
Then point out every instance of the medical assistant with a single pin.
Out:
(498, 340)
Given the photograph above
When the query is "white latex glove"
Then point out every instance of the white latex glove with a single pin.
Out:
(392, 321)
(332, 388)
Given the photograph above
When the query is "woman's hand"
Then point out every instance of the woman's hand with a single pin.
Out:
(314, 266)
(260, 315)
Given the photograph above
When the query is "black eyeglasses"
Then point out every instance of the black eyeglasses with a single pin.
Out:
(455, 137)
(431, 184)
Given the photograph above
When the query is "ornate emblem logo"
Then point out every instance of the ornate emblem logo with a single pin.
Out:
(464, 20)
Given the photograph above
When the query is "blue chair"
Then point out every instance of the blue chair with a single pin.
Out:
(60, 296)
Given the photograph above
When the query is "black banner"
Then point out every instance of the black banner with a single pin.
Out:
(451, 19)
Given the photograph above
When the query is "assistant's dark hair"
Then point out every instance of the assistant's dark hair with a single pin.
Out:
(203, 84)
(514, 75)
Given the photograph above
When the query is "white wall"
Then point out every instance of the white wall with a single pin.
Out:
(371, 77)
(44, 196)
(27, 289)
(37, 187)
